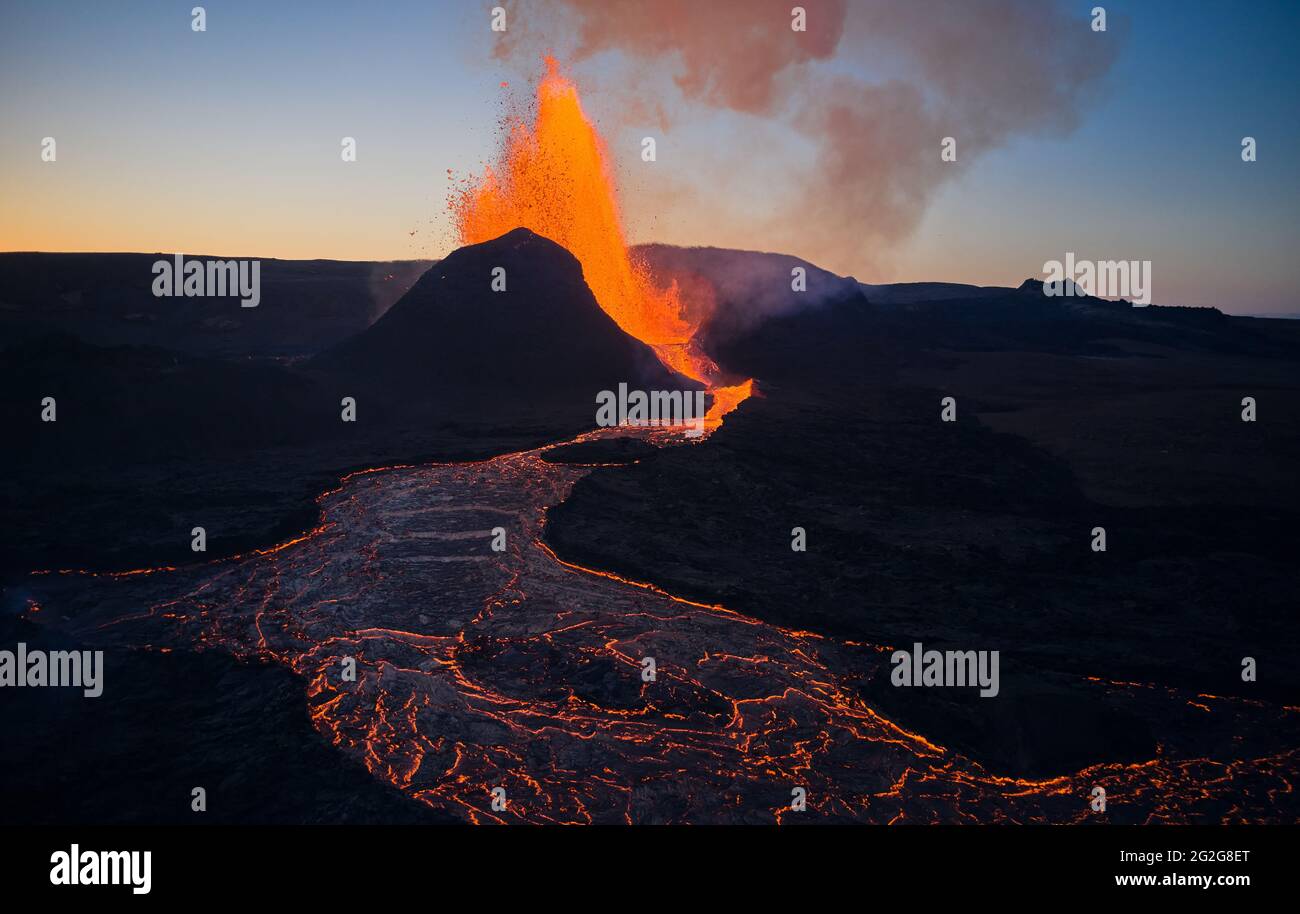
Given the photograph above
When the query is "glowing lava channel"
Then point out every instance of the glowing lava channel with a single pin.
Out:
(553, 177)
(519, 669)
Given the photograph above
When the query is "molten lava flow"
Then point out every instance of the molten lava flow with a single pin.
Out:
(725, 399)
(522, 669)
(553, 177)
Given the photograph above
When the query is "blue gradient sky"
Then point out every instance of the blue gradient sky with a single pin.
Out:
(227, 142)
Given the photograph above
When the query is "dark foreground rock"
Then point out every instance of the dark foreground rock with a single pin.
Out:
(977, 534)
(165, 724)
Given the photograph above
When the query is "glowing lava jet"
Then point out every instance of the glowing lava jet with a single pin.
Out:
(553, 177)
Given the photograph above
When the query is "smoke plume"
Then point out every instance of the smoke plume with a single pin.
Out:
(982, 73)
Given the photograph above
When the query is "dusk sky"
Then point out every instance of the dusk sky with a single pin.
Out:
(227, 142)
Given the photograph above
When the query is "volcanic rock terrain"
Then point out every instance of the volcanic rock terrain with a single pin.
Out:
(524, 668)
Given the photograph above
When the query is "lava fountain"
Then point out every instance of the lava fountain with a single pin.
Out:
(553, 176)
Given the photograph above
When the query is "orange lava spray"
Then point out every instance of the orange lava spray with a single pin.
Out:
(553, 177)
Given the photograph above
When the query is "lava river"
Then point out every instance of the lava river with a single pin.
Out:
(477, 669)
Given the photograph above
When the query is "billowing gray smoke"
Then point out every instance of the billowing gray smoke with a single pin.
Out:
(979, 71)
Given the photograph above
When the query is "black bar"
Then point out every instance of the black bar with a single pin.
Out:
(339, 863)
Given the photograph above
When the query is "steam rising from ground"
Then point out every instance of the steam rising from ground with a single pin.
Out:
(982, 73)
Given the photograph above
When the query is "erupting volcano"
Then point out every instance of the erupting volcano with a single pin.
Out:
(553, 176)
